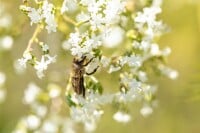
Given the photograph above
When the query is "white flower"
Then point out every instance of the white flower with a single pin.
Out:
(49, 127)
(105, 61)
(157, 3)
(46, 8)
(144, 45)
(94, 8)
(26, 57)
(51, 23)
(45, 47)
(86, 2)
(22, 62)
(112, 11)
(122, 117)
(43, 64)
(35, 15)
(54, 90)
(113, 68)
(142, 76)
(172, 74)
(134, 84)
(114, 37)
(66, 45)
(6, 42)
(90, 126)
(40, 67)
(31, 93)
(5, 18)
(19, 68)
(92, 65)
(82, 17)
(97, 21)
(74, 39)
(40, 110)
(132, 61)
(146, 22)
(146, 111)
(148, 16)
(49, 17)
(46, 13)
(69, 6)
(155, 50)
(33, 122)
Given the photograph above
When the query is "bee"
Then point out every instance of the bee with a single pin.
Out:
(78, 71)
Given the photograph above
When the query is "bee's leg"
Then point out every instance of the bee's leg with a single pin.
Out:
(82, 60)
(93, 71)
(88, 62)
(82, 87)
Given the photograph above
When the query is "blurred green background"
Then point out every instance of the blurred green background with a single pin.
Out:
(179, 100)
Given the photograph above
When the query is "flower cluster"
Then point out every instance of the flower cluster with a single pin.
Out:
(81, 44)
(132, 36)
(40, 66)
(6, 41)
(5, 18)
(45, 107)
(132, 65)
(44, 13)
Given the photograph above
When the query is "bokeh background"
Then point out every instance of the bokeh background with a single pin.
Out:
(179, 100)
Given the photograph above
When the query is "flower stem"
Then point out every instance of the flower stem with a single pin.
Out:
(36, 32)
(83, 22)
(68, 19)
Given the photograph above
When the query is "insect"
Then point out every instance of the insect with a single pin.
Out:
(78, 71)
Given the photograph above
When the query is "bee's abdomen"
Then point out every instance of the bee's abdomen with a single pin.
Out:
(78, 84)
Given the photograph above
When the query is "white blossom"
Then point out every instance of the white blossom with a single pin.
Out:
(35, 15)
(82, 17)
(146, 111)
(45, 47)
(33, 122)
(142, 76)
(54, 90)
(144, 45)
(45, 13)
(49, 127)
(6, 42)
(132, 61)
(154, 50)
(40, 110)
(92, 66)
(172, 74)
(114, 37)
(42, 65)
(26, 57)
(113, 68)
(122, 117)
(105, 61)
(69, 6)
(31, 93)
(148, 15)
(113, 9)
(5, 18)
